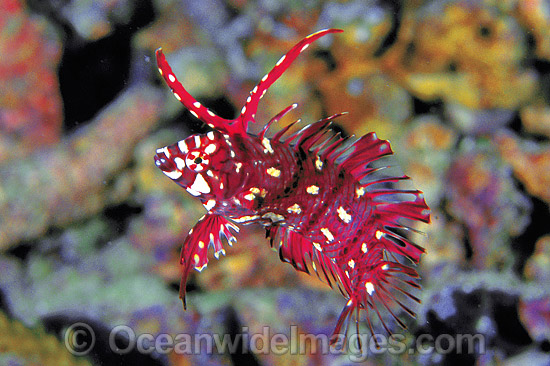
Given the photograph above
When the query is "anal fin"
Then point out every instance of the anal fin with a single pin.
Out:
(194, 252)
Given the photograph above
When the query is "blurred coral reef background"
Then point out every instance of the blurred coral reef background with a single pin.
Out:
(90, 229)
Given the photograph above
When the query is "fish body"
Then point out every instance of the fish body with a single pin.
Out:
(323, 203)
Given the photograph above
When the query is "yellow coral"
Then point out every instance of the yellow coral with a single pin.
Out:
(34, 346)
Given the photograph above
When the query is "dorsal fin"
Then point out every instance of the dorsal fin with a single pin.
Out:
(238, 125)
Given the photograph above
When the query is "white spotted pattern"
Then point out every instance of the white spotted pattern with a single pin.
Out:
(200, 184)
(326, 232)
(183, 146)
(274, 172)
(295, 208)
(267, 145)
(180, 163)
(174, 174)
(210, 204)
(313, 189)
(343, 215)
(210, 149)
(369, 287)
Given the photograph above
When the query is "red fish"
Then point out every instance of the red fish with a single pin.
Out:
(317, 194)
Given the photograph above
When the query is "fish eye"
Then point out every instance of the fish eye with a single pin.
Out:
(197, 160)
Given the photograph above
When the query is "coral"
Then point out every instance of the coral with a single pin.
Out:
(536, 119)
(481, 194)
(469, 54)
(20, 345)
(535, 315)
(530, 162)
(30, 100)
(537, 267)
(93, 20)
(40, 191)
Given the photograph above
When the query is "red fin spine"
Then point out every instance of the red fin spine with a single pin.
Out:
(196, 108)
(299, 252)
(194, 252)
(277, 117)
(248, 112)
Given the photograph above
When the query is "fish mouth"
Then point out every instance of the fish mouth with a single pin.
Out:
(163, 162)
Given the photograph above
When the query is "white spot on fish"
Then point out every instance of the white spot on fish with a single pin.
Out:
(246, 218)
(280, 60)
(267, 146)
(243, 111)
(369, 287)
(295, 208)
(194, 114)
(360, 191)
(200, 185)
(379, 234)
(318, 163)
(174, 174)
(197, 140)
(385, 267)
(344, 216)
(160, 71)
(210, 174)
(318, 247)
(351, 263)
(326, 232)
(304, 48)
(180, 163)
(273, 217)
(183, 146)
(171, 77)
(210, 149)
(210, 113)
(274, 172)
(265, 77)
(210, 135)
(209, 204)
(177, 96)
(249, 197)
(238, 167)
(313, 189)
(364, 248)
(165, 151)
(201, 244)
(196, 258)
(196, 105)
(193, 192)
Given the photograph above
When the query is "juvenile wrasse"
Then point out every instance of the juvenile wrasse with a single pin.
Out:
(319, 197)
